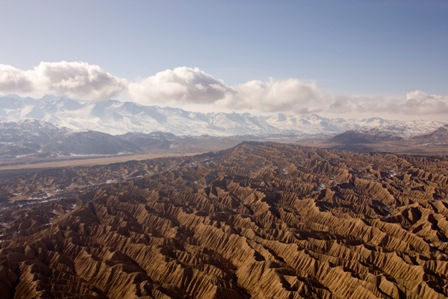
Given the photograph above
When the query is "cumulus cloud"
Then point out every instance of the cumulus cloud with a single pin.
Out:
(181, 85)
(420, 102)
(78, 79)
(13, 80)
(280, 95)
(193, 88)
(350, 104)
(414, 105)
(185, 85)
(72, 79)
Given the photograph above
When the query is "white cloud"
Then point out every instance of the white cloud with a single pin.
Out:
(180, 85)
(78, 79)
(72, 79)
(420, 102)
(414, 105)
(193, 88)
(280, 95)
(14, 80)
(350, 104)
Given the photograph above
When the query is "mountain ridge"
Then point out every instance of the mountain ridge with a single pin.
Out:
(117, 118)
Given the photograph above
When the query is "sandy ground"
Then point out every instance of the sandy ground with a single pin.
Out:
(92, 161)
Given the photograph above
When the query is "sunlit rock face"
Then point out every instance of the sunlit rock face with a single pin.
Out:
(260, 220)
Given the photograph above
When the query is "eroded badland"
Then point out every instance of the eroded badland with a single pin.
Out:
(260, 220)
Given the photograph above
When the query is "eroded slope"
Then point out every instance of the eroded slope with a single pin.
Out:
(259, 220)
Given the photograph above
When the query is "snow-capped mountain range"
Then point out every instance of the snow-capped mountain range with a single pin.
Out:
(115, 117)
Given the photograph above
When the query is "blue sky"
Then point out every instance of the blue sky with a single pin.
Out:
(381, 48)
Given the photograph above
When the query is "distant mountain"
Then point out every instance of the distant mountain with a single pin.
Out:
(33, 138)
(26, 137)
(357, 137)
(311, 124)
(114, 117)
(394, 133)
(437, 137)
(118, 118)
(155, 140)
(89, 143)
(387, 139)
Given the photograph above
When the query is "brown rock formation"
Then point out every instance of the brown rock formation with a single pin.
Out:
(259, 220)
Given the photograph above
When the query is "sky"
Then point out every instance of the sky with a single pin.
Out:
(346, 58)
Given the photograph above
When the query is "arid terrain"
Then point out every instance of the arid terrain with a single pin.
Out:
(260, 220)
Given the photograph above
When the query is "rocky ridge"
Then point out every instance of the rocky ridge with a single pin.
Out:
(258, 220)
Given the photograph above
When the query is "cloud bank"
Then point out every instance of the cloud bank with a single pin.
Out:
(188, 87)
(424, 103)
(14, 80)
(273, 95)
(72, 79)
(180, 85)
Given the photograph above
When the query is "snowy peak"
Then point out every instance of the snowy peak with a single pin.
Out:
(374, 122)
(29, 129)
(401, 129)
(115, 117)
